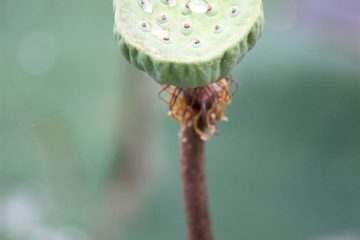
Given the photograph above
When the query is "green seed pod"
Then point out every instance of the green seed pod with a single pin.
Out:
(187, 43)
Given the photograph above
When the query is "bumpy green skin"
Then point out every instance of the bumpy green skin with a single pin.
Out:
(185, 67)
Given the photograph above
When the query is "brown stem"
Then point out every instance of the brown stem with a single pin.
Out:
(197, 110)
(194, 185)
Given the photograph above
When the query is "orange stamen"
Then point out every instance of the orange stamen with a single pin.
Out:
(202, 108)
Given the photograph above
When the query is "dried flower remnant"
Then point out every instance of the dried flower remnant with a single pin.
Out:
(200, 107)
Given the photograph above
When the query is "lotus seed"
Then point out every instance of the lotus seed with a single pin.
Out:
(196, 43)
(212, 10)
(218, 29)
(144, 26)
(234, 11)
(162, 18)
(186, 29)
(146, 5)
(166, 39)
(185, 10)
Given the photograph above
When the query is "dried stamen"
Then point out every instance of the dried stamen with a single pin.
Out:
(200, 107)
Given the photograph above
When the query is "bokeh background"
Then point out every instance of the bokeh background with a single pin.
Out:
(87, 151)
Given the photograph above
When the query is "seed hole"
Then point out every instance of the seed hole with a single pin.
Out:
(195, 43)
(218, 29)
(162, 18)
(185, 9)
(212, 10)
(166, 39)
(234, 11)
(144, 26)
(145, 5)
(186, 28)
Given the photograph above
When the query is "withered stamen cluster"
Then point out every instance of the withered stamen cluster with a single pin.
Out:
(200, 107)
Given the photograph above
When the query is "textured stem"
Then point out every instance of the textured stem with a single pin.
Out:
(194, 185)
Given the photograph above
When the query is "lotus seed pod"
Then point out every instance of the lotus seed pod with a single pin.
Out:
(187, 43)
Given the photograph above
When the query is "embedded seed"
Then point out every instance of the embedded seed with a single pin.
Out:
(196, 43)
(167, 39)
(218, 29)
(186, 29)
(234, 11)
(212, 10)
(185, 9)
(146, 5)
(144, 26)
(162, 18)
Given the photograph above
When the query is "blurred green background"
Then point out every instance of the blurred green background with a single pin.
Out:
(87, 151)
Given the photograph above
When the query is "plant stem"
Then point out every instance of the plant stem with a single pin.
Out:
(197, 109)
(194, 185)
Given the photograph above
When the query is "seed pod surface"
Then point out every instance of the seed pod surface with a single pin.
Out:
(187, 43)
